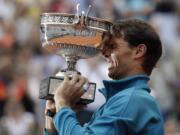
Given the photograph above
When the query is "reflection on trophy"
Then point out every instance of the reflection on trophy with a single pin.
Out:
(72, 37)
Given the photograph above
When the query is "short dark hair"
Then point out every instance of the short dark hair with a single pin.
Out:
(137, 32)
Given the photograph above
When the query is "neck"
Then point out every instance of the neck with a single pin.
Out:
(134, 71)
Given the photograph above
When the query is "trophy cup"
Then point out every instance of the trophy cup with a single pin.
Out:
(72, 37)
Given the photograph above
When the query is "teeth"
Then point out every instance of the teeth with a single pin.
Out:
(108, 60)
(114, 60)
(110, 63)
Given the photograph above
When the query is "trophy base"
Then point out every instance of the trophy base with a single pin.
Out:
(50, 84)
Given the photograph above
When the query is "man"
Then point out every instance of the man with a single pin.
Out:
(132, 51)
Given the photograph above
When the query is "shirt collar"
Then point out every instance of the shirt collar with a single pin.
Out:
(114, 86)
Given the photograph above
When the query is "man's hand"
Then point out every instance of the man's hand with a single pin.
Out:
(69, 91)
(50, 105)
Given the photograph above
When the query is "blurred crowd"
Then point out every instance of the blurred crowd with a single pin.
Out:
(24, 63)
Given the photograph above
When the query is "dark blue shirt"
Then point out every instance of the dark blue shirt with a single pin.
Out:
(129, 110)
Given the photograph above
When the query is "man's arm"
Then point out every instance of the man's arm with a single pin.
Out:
(66, 123)
(49, 125)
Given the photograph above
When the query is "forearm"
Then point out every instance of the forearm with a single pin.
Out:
(49, 127)
(66, 122)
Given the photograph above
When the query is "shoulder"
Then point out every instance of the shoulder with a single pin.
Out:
(134, 106)
(118, 103)
(142, 105)
(136, 100)
(142, 98)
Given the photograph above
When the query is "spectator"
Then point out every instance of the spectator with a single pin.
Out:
(16, 121)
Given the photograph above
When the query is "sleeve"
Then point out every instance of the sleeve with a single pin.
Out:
(66, 124)
(48, 133)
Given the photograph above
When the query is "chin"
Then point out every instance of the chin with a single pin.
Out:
(113, 76)
(116, 75)
(111, 73)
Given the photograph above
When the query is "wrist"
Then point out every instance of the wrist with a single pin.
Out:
(60, 103)
(49, 125)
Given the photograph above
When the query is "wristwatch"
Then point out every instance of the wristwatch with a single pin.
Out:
(50, 113)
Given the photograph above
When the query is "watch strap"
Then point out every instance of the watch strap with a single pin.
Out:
(50, 113)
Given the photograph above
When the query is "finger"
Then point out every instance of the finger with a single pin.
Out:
(87, 81)
(49, 102)
(63, 83)
(66, 78)
(79, 93)
(75, 78)
(82, 81)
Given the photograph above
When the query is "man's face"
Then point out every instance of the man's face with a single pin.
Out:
(119, 57)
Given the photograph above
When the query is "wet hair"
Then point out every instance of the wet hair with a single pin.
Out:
(137, 32)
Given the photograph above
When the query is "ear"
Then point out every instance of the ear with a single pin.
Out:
(140, 51)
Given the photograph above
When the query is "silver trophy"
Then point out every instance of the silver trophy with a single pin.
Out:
(73, 37)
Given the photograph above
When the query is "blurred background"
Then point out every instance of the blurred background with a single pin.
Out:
(23, 62)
